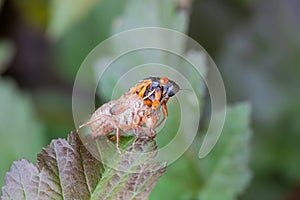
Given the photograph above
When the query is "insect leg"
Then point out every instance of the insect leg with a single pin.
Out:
(118, 140)
(165, 114)
(165, 109)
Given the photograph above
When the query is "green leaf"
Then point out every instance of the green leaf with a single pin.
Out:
(64, 14)
(67, 170)
(225, 169)
(131, 175)
(157, 14)
(96, 26)
(182, 180)
(21, 133)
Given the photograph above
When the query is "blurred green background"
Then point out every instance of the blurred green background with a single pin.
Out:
(255, 44)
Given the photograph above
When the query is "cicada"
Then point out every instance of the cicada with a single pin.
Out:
(137, 110)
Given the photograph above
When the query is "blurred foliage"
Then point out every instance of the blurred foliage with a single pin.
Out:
(63, 14)
(35, 12)
(226, 168)
(6, 54)
(262, 55)
(22, 135)
(158, 14)
(74, 45)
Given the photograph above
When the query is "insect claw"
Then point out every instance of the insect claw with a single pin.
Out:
(112, 138)
(151, 138)
(119, 150)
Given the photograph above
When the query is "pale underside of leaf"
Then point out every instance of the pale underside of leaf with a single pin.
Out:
(65, 171)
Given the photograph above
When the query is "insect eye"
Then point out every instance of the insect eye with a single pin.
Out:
(164, 80)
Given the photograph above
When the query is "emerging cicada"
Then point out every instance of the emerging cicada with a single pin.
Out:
(137, 110)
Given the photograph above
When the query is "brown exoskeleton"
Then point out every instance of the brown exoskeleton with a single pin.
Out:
(137, 110)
